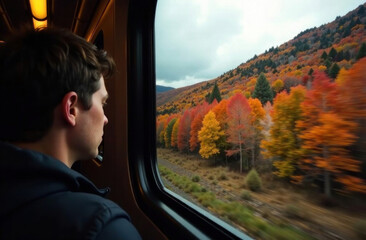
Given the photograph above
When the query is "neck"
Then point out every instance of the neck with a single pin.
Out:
(50, 146)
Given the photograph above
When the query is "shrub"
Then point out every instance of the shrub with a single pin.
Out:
(195, 178)
(253, 181)
(292, 211)
(245, 195)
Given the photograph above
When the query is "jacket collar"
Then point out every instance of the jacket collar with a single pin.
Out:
(26, 175)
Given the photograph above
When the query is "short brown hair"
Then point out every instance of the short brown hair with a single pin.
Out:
(37, 68)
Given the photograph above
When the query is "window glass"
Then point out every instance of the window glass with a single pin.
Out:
(261, 113)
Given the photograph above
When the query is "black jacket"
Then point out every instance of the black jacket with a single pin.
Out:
(41, 198)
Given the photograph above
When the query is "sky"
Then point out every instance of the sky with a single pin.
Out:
(198, 40)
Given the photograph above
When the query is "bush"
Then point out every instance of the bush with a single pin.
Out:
(245, 195)
(195, 178)
(253, 181)
(292, 211)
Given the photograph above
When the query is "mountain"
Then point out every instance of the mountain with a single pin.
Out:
(160, 89)
(335, 45)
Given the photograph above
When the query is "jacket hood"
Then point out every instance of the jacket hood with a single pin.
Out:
(27, 175)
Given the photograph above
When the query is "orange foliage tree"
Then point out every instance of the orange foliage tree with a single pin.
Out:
(196, 124)
(326, 137)
(238, 111)
(183, 131)
(221, 117)
(352, 104)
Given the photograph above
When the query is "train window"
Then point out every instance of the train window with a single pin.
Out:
(260, 116)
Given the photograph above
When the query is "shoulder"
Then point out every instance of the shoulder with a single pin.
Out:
(108, 220)
(72, 215)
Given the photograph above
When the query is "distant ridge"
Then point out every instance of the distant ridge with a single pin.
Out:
(292, 62)
(160, 89)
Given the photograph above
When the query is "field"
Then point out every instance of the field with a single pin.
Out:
(279, 210)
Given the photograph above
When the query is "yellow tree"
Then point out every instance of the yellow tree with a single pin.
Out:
(209, 135)
(283, 144)
(257, 114)
(168, 133)
(278, 85)
(174, 140)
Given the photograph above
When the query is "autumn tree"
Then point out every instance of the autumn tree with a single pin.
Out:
(209, 136)
(222, 118)
(174, 140)
(168, 133)
(257, 114)
(184, 131)
(263, 90)
(196, 125)
(326, 138)
(283, 144)
(278, 85)
(239, 118)
(343, 73)
(267, 122)
(352, 105)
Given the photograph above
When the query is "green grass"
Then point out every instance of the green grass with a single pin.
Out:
(234, 211)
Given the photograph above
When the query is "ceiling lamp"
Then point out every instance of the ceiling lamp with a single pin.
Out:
(39, 12)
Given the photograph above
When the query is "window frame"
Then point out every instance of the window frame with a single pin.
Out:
(175, 216)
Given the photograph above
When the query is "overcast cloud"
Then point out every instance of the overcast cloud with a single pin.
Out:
(198, 40)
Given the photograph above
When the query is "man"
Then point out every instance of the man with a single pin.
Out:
(51, 102)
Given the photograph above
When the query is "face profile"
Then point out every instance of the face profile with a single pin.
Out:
(89, 126)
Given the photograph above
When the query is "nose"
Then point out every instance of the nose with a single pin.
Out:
(105, 120)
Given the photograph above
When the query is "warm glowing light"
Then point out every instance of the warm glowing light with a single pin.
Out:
(39, 9)
(39, 24)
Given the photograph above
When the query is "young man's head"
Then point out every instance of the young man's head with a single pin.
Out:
(45, 69)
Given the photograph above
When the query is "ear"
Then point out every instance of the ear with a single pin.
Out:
(69, 108)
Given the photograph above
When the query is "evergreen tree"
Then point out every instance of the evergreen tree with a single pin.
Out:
(362, 52)
(324, 55)
(332, 54)
(310, 73)
(334, 70)
(263, 90)
(328, 64)
(215, 94)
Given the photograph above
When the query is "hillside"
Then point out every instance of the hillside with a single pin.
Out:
(335, 43)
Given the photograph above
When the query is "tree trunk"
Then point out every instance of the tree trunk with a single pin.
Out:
(241, 155)
(327, 184)
(327, 177)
